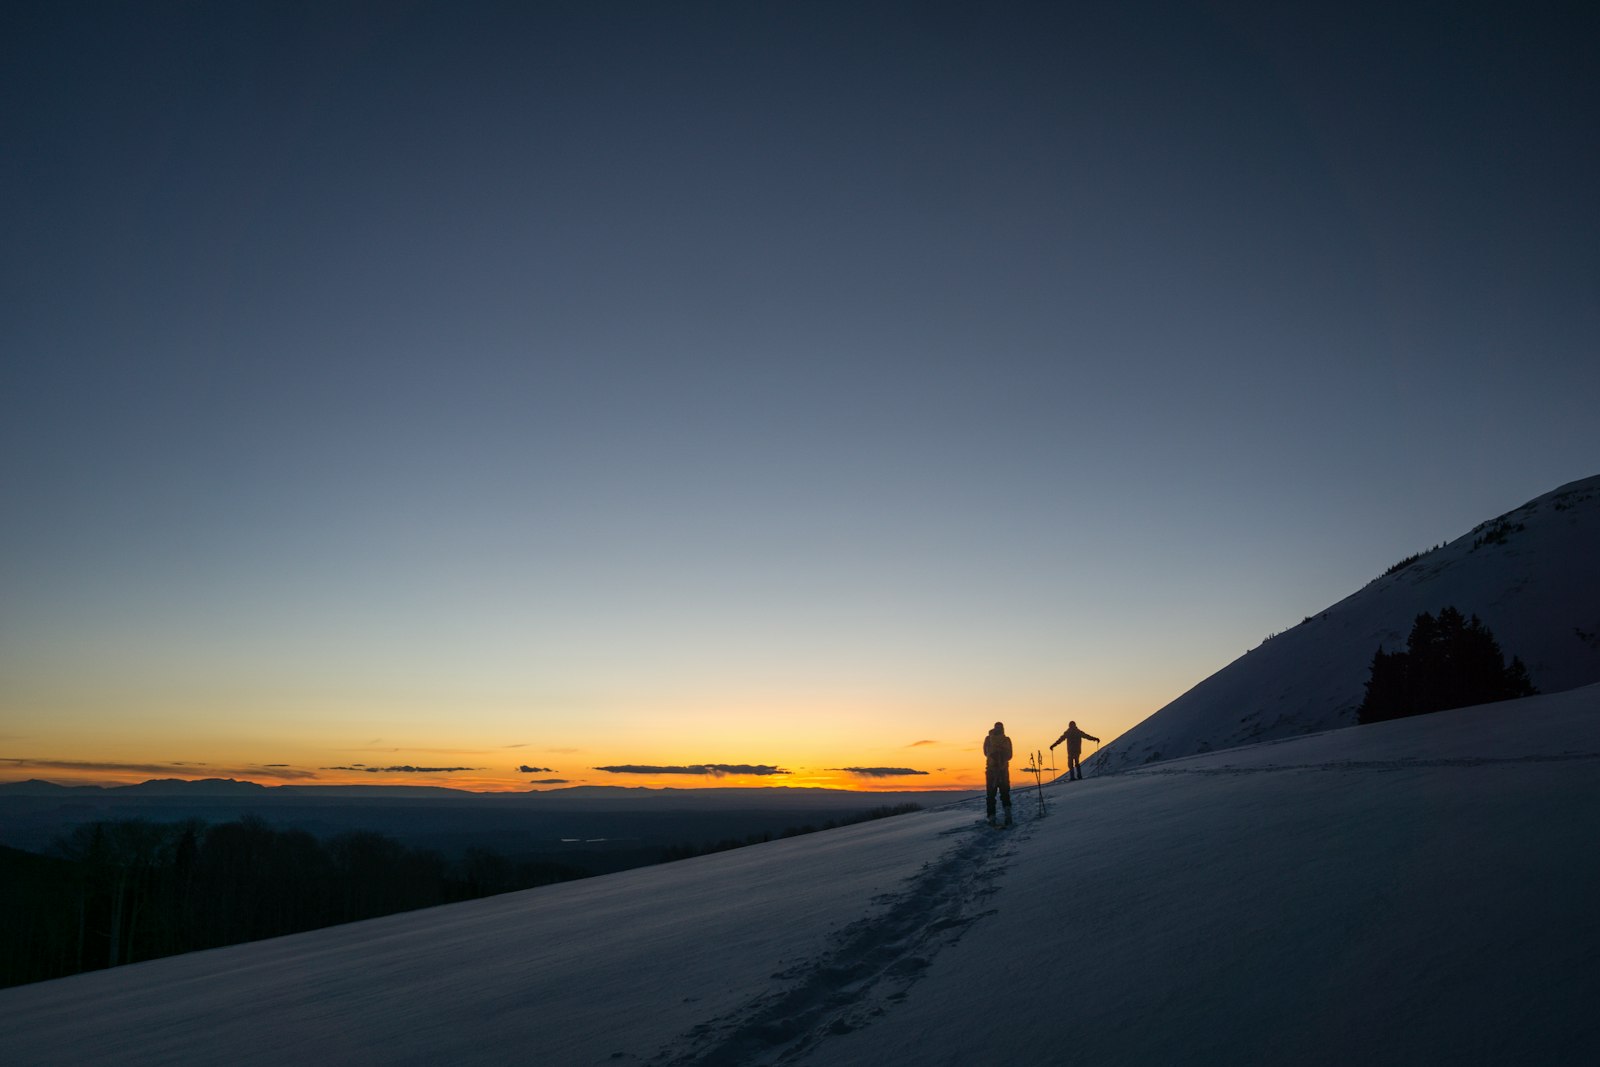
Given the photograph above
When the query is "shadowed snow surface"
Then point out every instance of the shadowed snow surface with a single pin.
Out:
(1420, 890)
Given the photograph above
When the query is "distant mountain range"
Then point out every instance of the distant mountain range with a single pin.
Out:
(718, 796)
(217, 787)
(1531, 575)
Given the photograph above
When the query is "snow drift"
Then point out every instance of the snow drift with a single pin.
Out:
(1414, 891)
(1532, 575)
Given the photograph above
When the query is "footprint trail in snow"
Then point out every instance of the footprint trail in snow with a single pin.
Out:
(867, 970)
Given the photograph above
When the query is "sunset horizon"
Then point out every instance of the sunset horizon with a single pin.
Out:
(106, 775)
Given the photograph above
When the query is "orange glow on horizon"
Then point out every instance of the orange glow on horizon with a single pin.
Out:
(941, 752)
(111, 774)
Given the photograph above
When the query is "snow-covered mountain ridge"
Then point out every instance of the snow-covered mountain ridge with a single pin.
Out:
(1532, 575)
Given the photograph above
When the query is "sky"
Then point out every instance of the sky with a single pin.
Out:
(506, 395)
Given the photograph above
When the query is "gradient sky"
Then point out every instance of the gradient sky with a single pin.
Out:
(530, 389)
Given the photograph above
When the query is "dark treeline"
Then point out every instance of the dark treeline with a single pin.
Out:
(119, 892)
(130, 890)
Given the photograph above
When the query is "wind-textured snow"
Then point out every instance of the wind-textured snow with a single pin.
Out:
(1531, 575)
(1414, 891)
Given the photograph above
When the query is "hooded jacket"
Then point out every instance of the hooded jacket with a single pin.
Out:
(997, 748)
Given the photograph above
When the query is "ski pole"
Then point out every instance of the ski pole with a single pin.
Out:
(1037, 775)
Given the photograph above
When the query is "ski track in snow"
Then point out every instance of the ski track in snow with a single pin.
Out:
(870, 967)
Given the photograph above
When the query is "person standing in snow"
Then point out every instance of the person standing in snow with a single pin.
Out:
(997, 766)
(1074, 739)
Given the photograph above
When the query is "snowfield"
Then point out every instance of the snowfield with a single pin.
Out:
(1411, 892)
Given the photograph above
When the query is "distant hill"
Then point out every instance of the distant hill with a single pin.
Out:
(378, 792)
(213, 787)
(220, 787)
(1532, 575)
(34, 787)
(712, 797)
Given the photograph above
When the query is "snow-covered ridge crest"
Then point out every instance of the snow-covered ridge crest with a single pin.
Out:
(1532, 575)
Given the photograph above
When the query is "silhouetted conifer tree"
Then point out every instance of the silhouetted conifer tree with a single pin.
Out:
(1449, 662)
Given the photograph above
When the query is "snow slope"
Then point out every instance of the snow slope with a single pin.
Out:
(1538, 591)
(1415, 891)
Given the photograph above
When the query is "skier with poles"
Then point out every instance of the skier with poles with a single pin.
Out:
(1074, 739)
(997, 767)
